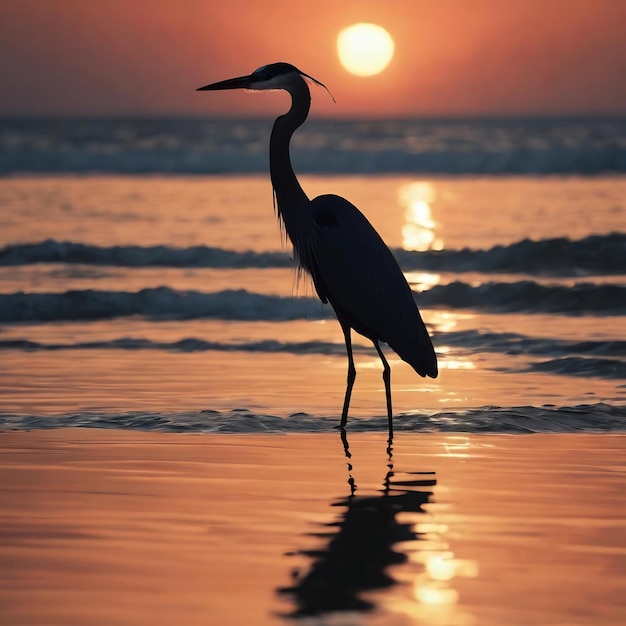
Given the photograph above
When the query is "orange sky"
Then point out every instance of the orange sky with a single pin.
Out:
(453, 57)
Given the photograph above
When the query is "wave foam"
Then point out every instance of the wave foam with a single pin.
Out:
(516, 420)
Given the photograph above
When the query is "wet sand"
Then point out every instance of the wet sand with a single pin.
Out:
(120, 527)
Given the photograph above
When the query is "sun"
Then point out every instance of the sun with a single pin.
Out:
(365, 49)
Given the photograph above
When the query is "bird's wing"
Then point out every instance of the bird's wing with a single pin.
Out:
(360, 277)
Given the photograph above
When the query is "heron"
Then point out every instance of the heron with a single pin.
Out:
(351, 267)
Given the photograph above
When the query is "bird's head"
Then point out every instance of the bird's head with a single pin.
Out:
(267, 77)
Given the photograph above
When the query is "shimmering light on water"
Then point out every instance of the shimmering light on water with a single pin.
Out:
(422, 281)
(438, 569)
(418, 232)
(450, 362)
(457, 446)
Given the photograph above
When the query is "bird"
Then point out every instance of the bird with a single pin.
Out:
(351, 267)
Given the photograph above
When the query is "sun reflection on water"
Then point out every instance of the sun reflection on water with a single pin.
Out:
(434, 598)
(446, 361)
(457, 446)
(418, 231)
(421, 281)
(447, 321)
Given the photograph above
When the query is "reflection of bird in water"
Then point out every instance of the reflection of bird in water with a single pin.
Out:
(360, 545)
(351, 267)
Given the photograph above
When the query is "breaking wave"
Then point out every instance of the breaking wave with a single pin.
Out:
(596, 254)
(188, 344)
(161, 303)
(51, 251)
(491, 419)
(164, 303)
(582, 366)
(529, 297)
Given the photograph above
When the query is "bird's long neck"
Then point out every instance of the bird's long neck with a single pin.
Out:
(291, 201)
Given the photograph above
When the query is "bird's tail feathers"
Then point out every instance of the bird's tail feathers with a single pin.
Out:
(420, 355)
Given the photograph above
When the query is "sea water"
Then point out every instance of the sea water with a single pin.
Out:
(145, 282)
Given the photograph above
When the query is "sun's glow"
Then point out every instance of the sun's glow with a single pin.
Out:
(365, 49)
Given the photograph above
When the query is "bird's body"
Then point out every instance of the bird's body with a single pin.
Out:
(364, 284)
(351, 267)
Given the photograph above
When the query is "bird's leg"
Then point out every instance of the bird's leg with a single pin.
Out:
(351, 374)
(387, 381)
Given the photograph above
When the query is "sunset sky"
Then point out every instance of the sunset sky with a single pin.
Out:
(452, 57)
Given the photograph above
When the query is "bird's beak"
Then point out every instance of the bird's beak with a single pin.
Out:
(242, 82)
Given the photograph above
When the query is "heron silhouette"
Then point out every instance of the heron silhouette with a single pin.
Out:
(351, 267)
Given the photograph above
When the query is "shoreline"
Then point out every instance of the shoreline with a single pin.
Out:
(598, 418)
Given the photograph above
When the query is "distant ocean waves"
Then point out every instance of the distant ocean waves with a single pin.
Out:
(203, 146)
(596, 254)
(599, 417)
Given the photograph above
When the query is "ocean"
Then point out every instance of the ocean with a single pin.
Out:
(145, 283)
